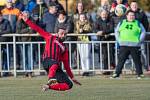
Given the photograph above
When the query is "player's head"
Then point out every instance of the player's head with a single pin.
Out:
(130, 16)
(61, 34)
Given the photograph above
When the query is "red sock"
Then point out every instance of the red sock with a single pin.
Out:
(52, 71)
(59, 87)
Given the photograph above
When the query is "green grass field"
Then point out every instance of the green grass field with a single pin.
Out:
(93, 88)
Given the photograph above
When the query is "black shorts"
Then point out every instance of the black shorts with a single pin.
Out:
(62, 77)
(48, 62)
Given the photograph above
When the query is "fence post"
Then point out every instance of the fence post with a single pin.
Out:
(14, 55)
(0, 61)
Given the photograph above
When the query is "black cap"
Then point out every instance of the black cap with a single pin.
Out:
(51, 4)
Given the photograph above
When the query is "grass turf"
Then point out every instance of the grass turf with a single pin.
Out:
(93, 88)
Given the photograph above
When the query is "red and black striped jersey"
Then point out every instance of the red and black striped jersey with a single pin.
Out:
(53, 48)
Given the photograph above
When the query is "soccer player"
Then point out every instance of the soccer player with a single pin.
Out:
(130, 33)
(55, 52)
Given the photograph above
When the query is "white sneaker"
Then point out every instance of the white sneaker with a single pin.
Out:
(115, 76)
(140, 76)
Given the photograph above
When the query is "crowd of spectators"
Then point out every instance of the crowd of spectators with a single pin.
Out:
(51, 16)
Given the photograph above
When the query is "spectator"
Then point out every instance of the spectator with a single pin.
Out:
(22, 28)
(129, 33)
(10, 13)
(40, 8)
(30, 6)
(5, 28)
(49, 18)
(93, 13)
(117, 18)
(63, 21)
(19, 5)
(35, 18)
(105, 5)
(83, 26)
(141, 17)
(104, 27)
(139, 14)
(79, 10)
(58, 5)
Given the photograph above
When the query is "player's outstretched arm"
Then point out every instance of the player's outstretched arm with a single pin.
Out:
(67, 67)
(34, 26)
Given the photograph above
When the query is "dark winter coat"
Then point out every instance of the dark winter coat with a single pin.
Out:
(49, 21)
(106, 26)
(141, 17)
(5, 28)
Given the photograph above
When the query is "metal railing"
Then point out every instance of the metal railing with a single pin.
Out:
(36, 65)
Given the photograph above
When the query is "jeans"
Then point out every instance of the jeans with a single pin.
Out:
(25, 56)
(4, 60)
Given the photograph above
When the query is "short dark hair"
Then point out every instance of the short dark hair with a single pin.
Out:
(133, 1)
(83, 13)
(129, 12)
(62, 12)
